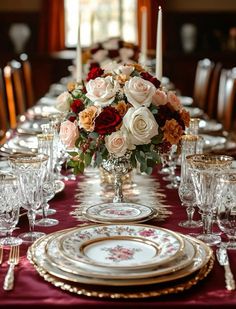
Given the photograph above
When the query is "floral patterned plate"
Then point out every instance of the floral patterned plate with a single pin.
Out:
(56, 258)
(118, 212)
(121, 246)
(38, 256)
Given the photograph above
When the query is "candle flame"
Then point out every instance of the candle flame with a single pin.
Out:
(159, 7)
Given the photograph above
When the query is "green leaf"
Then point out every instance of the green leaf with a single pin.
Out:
(73, 153)
(149, 170)
(87, 159)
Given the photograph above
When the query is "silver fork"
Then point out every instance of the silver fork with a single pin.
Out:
(13, 260)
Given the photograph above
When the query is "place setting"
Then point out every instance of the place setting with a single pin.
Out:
(121, 261)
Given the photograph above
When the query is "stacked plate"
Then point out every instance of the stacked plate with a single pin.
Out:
(119, 213)
(108, 260)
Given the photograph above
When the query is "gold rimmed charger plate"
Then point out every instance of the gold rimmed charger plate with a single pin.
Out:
(122, 256)
(124, 212)
(55, 257)
(178, 283)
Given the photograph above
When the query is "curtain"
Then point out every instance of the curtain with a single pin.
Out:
(152, 11)
(52, 26)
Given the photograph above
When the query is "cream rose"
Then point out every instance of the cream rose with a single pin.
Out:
(63, 102)
(126, 53)
(125, 69)
(139, 91)
(69, 133)
(159, 98)
(102, 91)
(141, 125)
(118, 143)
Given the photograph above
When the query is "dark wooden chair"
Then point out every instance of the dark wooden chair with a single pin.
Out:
(11, 104)
(202, 80)
(28, 81)
(213, 91)
(226, 107)
(4, 116)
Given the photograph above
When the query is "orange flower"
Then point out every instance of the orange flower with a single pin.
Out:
(71, 86)
(172, 131)
(137, 67)
(122, 107)
(87, 117)
(185, 117)
(122, 78)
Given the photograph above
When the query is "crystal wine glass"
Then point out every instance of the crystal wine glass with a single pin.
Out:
(30, 170)
(190, 144)
(226, 206)
(9, 208)
(204, 168)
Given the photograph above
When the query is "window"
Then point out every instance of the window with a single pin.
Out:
(100, 20)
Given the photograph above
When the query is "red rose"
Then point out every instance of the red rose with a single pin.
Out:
(150, 78)
(93, 65)
(94, 73)
(72, 118)
(107, 121)
(77, 106)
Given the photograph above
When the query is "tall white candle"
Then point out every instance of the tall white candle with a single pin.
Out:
(143, 35)
(78, 61)
(159, 46)
(92, 17)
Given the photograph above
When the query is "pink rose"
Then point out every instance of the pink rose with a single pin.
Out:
(159, 98)
(69, 133)
(174, 101)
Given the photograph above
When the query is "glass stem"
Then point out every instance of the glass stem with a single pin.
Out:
(206, 220)
(31, 218)
(118, 198)
(190, 212)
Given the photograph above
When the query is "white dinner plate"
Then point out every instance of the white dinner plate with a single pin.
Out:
(194, 111)
(185, 100)
(212, 141)
(210, 125)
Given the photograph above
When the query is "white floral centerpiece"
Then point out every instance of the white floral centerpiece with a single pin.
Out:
(121, 109)
(113, 49)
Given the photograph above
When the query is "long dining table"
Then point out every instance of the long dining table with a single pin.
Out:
(32, 291)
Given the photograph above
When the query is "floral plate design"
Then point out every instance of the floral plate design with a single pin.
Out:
(141, 246)
(118, 212)
(37, 255)
(57, 259)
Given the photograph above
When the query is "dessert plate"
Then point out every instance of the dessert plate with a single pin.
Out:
(118, 212)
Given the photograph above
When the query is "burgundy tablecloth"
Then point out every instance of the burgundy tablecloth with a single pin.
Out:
(32, 291)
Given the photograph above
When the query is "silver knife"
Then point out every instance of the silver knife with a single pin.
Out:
(223, 259)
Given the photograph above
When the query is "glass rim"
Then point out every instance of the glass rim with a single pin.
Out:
(202, 158)
(25, 158)
(191, 138)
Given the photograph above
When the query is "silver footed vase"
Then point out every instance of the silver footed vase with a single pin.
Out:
(118, 167)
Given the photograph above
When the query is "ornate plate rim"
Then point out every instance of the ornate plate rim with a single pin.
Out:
(153, 263)
(100, 219)
(125, 275)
